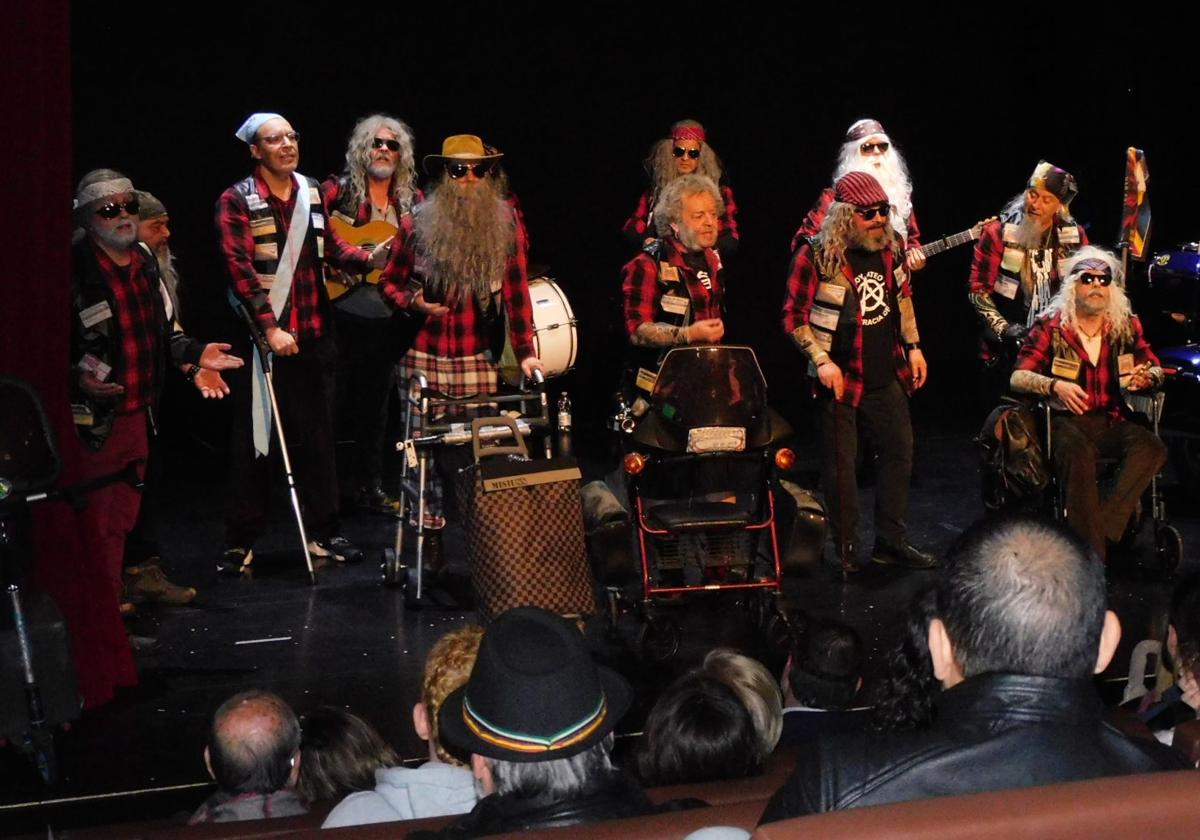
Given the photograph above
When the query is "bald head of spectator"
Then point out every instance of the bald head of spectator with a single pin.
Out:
(254, 744)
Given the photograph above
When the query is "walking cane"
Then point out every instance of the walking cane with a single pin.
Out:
(264, 355)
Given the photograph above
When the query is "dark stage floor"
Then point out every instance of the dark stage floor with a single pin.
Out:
(350, 642)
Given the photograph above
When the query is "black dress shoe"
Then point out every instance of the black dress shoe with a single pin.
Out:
(336, 547)
(375, 500)
(905, 554)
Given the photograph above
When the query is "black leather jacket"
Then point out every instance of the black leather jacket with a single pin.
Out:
(613, 797)
(992, 732)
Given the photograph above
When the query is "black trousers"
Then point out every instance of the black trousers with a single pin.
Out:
(367, 353)
(304, 387)
(884, 411)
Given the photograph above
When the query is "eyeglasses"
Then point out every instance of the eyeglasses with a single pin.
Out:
(869, 213)
(1102, 279)
(458, 170)
(276, 139)
(113, 209)
(679, 152)
(874, 148)
(379, 143)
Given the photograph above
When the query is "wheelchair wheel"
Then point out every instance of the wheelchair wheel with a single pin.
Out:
(658, 640)
(1168, 544)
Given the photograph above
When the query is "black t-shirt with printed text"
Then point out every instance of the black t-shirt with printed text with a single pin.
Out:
(877, 304)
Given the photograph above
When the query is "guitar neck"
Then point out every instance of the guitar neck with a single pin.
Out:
(952, 241)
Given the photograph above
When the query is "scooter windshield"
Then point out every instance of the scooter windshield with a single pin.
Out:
(710, 386)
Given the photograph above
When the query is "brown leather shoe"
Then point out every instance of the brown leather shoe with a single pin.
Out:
(148, 582)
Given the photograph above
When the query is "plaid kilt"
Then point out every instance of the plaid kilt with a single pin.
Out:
(463, 376)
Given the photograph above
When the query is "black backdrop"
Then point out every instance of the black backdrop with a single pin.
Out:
(575, 94)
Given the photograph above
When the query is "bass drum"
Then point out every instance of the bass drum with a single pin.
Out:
(555, 339)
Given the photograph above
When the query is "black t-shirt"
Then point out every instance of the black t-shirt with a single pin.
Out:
(878, 307)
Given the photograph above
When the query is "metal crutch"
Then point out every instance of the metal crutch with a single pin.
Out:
(265, 355)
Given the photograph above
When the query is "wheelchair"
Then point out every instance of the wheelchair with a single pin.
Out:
(701, 482)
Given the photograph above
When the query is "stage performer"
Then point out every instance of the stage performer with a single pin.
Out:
(275, 238)
(378, 185)
(1015, 272)
(673, 291)
(868, 148)
(460, 263)
(1082, 352)
(685, 151)
(849, 309)
(122, 343)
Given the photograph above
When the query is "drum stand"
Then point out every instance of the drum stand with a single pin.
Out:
(422, 402)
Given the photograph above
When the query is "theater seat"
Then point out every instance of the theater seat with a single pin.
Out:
(1150, 805)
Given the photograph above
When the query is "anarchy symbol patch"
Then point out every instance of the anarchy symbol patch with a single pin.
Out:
(872, 297)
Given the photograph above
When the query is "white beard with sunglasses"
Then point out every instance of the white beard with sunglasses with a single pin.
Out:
(119, 236)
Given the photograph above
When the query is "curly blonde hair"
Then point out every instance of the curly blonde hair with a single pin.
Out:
(448, 667)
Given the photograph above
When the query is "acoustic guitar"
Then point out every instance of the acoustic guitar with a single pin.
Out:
(337, 282)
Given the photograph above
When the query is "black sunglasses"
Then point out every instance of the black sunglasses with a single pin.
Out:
(458, 170)
(868, 148)
(869, 213)
(679, 152)
(1102, 279)
(379, 143)
(113, 209)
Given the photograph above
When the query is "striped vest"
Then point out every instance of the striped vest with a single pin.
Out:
(270, 236)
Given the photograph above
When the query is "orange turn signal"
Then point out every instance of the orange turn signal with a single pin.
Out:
(785, 458)
(635, 462)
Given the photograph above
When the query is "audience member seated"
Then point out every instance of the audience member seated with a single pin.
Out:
(906, 695)
(820, 681)
(1021, 627)
(537, 716)
(341, 754)
(253, 753)
(757, 690)
(1163, 710)
(698, 731)
(441, 786)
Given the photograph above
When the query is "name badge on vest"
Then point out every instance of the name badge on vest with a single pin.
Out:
(263, 226)
(1125, 364)
(95, 313)
(1065, 368)
(82, 415)
(831, 293)
(646, 379)
(1007, 287)
(318, 221)
(674, 304)
(667, 273)
(314, 196)
(1012, 259)
(826, 319)
(1069, 235)
(266, 250)
(96, 367)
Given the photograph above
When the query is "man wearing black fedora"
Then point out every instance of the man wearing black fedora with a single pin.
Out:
(537, 716)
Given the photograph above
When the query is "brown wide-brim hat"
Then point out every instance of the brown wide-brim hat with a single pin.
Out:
(534, 693)
(460, 147)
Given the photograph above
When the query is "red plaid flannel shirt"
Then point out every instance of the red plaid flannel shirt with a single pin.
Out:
(989, 252)
(301, 315)
(637, 226)
(803, 279)
(1100, 380)
(643, 291)
(811, 225)
(140, 342)
(331, 192)
(463, 331)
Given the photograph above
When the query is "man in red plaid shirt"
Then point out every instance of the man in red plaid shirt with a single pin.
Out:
(460, 263)
(673, 292)
(275, 238)
(1081, 354)
(849, 309)
(122, 343)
